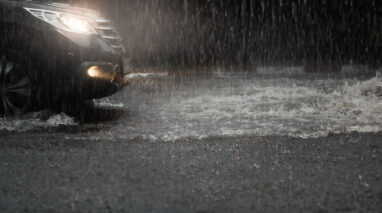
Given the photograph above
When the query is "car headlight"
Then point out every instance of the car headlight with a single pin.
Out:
(64, 21)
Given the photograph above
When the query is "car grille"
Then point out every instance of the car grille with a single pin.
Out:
(105, 29)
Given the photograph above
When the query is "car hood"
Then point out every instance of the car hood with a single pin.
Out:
(55, 6)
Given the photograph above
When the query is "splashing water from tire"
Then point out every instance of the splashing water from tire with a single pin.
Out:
(250, 105)
(234, 104)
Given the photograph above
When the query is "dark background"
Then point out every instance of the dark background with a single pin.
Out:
(246, 32)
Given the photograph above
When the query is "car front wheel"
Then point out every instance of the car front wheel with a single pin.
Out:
(15, 86)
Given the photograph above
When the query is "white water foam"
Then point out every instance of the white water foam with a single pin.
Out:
(32, 122)
(108, 103)
(234, 106)
(146, 75)
(281, 107)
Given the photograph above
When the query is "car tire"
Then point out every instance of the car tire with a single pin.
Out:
(16, 87)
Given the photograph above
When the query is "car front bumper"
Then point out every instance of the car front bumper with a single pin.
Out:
(81, 66)
(100, 79)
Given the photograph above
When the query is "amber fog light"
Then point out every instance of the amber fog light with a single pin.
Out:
(101, 72)
(95, 72)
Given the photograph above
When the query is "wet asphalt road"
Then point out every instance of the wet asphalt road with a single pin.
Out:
(47, 172)
(149, 156)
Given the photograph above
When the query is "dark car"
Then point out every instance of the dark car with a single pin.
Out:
(52, 53)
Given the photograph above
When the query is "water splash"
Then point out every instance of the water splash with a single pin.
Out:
(255, 106)
(231, 104)
(36, 121)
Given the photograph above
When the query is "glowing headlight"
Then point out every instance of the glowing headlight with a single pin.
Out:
(64, 21)
(75, 24)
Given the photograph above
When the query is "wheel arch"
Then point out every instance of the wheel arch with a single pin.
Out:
(19, 36)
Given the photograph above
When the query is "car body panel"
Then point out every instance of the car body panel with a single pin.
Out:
(58, 54)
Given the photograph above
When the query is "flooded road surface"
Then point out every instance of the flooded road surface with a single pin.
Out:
(274, 101)
(275, 141)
